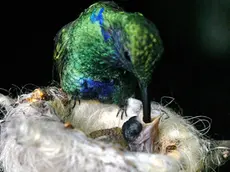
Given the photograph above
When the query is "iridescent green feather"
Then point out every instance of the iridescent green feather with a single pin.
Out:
(82, 52)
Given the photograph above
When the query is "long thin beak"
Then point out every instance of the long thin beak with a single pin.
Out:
(146, 104)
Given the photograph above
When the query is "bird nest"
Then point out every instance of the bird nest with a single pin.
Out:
(42, 132)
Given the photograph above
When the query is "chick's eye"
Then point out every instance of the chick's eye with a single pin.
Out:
(127, 56)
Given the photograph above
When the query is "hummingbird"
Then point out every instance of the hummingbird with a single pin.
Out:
(139, 136)
(106, 53)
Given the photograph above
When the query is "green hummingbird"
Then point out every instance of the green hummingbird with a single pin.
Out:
(106, 53)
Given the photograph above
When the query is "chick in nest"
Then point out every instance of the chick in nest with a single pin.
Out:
(140, 136)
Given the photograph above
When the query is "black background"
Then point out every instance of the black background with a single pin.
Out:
(194, 68)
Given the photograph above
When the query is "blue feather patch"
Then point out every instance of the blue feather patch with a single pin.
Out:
(99, 17)
(105, 34)
(95, 89)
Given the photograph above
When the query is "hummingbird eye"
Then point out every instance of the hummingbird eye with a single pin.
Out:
(127, 56)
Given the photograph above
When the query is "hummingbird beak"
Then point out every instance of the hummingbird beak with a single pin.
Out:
(146, 104)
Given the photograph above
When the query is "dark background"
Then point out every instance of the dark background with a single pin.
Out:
(194, 68)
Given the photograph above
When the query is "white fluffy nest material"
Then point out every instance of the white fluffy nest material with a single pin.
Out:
(34, 138)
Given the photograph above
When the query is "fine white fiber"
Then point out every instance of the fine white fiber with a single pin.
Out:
(35, 139)
(92, 115)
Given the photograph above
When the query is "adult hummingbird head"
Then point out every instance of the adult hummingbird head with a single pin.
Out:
(142, 48)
